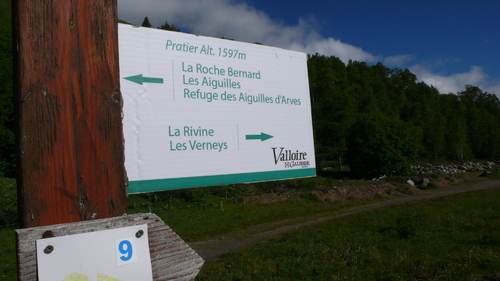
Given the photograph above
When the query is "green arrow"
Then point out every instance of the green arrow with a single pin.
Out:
(261, 137)
(139, 79)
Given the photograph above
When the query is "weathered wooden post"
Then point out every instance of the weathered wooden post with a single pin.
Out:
(72, 177)
(71, 153)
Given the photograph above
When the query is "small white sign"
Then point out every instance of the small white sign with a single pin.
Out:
(120, 254)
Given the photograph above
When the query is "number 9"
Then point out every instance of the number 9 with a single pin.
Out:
(125, 248)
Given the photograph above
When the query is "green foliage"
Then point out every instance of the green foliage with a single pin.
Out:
(8, 253)
(482, 116)
(8, 201)
(170, 27)
(7, 137)
(333, 106)
(146, 22)
(453, 238)
(379, 145)
(445, 127)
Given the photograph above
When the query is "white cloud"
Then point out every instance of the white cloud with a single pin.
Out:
(456, 82)
(334, 47)
(398, 61)
(494, 89)
(239, 21)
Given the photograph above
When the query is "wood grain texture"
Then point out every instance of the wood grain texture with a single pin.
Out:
(171, 257)
(71, 152)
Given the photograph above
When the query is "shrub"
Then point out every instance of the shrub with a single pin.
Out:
(8, 201)
(379, 145)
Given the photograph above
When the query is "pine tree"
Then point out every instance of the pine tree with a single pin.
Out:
(170, 27)
(146, 22)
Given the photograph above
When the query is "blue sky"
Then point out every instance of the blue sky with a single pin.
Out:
(446, 43)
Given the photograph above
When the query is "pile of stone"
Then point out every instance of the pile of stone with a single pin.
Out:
(454, 168)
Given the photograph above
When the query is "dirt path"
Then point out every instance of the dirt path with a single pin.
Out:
(214, 248)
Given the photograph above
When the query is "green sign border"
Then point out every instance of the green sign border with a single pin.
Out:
(180, 183)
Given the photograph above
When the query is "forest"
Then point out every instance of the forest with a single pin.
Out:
(385, 119)
(367, 119)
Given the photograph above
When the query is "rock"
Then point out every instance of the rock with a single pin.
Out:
(410, 182)
(425, 182)
(485, 173)
(380, 178)
(454, 168)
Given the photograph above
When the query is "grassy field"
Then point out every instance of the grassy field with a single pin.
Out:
(454, 238)
(450, 238)
(200, 213)
(204, 213)
(8, 269)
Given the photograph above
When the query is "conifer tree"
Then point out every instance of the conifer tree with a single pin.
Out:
(170, 27)
(146, 22)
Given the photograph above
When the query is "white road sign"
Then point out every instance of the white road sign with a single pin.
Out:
(201, 111)
(120, 254)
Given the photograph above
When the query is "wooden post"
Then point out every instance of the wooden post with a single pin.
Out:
(69, 105)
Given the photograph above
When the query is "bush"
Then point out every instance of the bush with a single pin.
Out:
(379, 145)
(8, 201)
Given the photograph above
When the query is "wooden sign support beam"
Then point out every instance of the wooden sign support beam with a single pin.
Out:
(69, 105)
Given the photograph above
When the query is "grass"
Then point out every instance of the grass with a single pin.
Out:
(8, 263)
(204, 213)
(452, 238)
(204, 223)
(495, 174)
(8, 201)
(8, 216)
